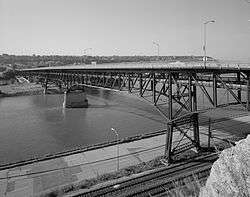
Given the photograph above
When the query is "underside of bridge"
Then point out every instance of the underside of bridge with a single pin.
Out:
(178, 94)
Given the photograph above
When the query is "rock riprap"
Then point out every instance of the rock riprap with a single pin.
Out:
(229, 176)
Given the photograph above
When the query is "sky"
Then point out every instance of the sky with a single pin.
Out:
(125, 27)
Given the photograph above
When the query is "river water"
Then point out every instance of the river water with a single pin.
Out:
(38, 125)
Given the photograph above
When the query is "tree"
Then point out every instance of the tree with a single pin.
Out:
(9, 74)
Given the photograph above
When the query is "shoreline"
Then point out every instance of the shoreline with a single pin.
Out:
(24, 89)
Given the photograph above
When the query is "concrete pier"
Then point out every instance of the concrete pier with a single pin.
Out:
(75, 98)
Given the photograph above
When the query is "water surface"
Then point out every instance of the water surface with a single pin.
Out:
(39, 125)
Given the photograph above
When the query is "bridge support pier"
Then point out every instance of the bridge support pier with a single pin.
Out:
(60, 87)
(186, 124)
(169, 134)
(140, 84)
(129, 83)
(45, 86)
(248, 92)
(239, 89)
(75, 98)
(195, 118)
(215, 90)
(153, 87)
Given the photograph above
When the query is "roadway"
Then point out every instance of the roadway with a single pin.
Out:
(138, 66)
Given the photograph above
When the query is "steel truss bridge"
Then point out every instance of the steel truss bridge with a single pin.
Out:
(173, 88)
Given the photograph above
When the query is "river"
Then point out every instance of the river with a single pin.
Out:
(38, 125)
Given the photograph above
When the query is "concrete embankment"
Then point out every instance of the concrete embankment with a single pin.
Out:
(81, 149)
(48, 175)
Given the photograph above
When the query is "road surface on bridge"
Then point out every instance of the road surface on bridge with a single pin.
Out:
(135, 66)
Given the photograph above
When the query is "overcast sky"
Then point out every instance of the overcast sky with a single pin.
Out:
(125, 27)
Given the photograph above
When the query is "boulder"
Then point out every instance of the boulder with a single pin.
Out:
(230, 174)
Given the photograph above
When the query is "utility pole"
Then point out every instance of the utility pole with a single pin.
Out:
(205, 41)
(117, 139)
(158, 48)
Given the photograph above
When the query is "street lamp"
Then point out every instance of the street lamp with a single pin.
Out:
(84, 52)
(158, 48)
(204, 46)
(117, 139)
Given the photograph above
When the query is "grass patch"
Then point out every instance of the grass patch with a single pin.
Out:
(125, 172)
(189, 186)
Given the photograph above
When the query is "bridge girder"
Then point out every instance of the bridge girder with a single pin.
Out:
(174, 94)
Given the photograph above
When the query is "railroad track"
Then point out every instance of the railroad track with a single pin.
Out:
(161, 188)
(154, 183)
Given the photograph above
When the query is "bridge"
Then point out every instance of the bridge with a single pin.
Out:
(173, 88)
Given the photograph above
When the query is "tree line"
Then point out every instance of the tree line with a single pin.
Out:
(25, 61)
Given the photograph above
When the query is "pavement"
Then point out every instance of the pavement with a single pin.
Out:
(41, 177)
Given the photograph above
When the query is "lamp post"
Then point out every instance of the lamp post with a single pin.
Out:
(158, 48)
(204, 46)
(84, 52)
(117, 139)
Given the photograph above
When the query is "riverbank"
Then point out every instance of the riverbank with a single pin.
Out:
(23, 89)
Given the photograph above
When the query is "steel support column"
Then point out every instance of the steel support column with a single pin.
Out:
(119, 81)
(60, 86)
(45, 85)
(129, 83)
(164, 83)
(140, 84)
(215, 90)
(169, 134)
(248, 92)
(196, 132)
(239, 89)
(104, 80)
(195, 101)
(153, 85)
(190, 93)
(86, 79)
(82, 79)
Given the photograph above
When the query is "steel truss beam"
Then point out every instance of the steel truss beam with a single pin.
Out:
(174, 94)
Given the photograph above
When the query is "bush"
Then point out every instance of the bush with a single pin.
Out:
(9, 74)
(2, 69)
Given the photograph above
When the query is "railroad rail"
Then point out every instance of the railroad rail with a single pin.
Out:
(154, 182)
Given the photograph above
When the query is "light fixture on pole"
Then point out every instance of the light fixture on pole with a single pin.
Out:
(158, 48)
(204, 46)
(117, 139)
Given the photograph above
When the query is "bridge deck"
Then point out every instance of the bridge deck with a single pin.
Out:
(135, 66)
